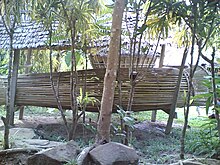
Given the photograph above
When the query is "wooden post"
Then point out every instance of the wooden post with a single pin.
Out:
(176, 93)
(27, 70)
(162, 55)
(14, 84)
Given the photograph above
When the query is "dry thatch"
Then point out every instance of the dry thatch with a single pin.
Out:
(153, 92)
(29, 34)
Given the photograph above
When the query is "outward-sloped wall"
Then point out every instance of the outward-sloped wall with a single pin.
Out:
(154, 90)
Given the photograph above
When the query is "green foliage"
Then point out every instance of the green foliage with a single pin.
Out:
(3, 62)
(84, 100)
(45, 11)
(1, 140)
(11, 12)
(32, 110)
(126, 116)
(68, 57)
(206, 141)
(159, 150)
(209, 95)
(90, 127)
(123, 131)
(2, 110)
(85, 142)
(40, 61)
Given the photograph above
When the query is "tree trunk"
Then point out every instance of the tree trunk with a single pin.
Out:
(13, 85)
(175, 96)
(110, 75)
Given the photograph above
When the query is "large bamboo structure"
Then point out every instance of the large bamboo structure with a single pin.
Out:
(153, 92)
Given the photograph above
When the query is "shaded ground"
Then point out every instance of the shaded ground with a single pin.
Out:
(14, 159)
(148, 139)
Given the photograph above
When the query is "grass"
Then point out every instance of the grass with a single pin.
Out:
(31, 110)
(165, 150)
(161, 149)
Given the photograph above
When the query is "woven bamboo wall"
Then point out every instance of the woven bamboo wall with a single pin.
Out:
(153, 92)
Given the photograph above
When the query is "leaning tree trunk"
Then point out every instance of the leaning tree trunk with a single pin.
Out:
(110, 75)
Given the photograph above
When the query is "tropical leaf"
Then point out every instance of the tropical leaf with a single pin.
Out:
(209, 102)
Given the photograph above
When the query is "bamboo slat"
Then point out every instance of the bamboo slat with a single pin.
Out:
(154, 90)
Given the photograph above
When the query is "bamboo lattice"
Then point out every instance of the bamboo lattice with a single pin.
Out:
(153, 92)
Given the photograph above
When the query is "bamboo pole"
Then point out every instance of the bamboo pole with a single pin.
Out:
(154, 113)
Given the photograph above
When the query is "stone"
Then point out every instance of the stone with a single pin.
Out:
(114, 154)
(55, 156)
(37, 144)
(21, 133)
(84, 157)
(198, 161)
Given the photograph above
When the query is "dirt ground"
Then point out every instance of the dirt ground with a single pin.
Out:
(52, 128)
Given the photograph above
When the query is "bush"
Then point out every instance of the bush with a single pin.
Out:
(207, 141)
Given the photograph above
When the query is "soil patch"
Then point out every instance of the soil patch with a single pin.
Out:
(52, 128)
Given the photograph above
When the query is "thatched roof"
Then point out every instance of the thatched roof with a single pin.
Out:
(147, 46)
(28, 34)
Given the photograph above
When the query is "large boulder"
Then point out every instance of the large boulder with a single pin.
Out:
(114, 154)
(55, 156)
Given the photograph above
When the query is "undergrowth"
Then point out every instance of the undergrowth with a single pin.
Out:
(200, 140)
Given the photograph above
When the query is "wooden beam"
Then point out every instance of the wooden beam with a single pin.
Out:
(162, 55)
(14, 84)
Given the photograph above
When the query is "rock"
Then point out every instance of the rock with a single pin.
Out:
(114, 154)
(84, 157)
(37, 144)
(199, 161)
(21, 133)
(55, 156)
